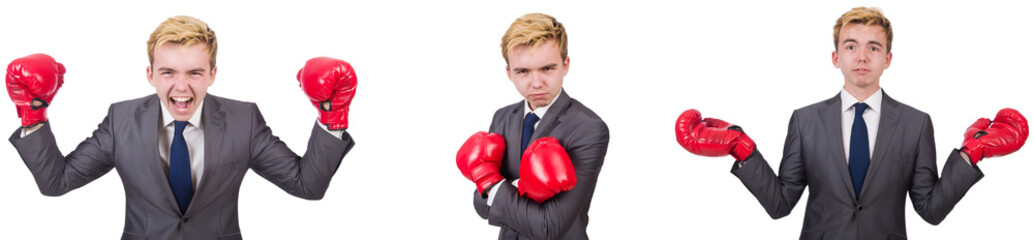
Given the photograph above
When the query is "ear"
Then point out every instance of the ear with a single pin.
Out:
(508, 75)
(211, 80)
(150, 77)
(887, 65)
(836, 59)
(567, 65)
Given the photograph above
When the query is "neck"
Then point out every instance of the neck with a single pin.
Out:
(861, 93)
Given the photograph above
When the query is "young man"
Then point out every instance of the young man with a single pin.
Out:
(542, 192)
(860, 151)
(182, 153)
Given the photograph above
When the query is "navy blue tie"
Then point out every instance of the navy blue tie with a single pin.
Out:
(859, 156)
(179, 168)
(529, 128)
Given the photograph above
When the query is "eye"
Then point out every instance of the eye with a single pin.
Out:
(522, 71)
(874, 49)
(850, 47)
(547, 69)
(165, 73)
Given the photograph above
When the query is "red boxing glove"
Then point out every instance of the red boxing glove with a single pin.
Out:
(330, 84)
(479, 159)
(545, 170)
(711, 137)
(1005, 135)
(32, 82)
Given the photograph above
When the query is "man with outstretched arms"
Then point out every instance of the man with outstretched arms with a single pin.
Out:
(182, 153)
(861, 151)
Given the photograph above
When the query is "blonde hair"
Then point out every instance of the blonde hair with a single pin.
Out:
(533, 29)
(183, 30)
(863, 15)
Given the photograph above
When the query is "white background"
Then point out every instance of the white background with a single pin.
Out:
(430, 74)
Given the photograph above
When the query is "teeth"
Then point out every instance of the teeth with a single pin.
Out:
(181, 99)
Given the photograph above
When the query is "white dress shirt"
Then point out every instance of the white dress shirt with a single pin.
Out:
(194, 134)
(871, 117)
(540, 111)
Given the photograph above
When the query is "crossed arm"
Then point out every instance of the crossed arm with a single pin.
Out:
(552, 218)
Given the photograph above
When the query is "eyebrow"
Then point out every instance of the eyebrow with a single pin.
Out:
(191, 70)
(854, 41)
(551, 65)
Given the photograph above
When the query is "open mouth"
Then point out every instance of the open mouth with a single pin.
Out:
(861, 70)
(181, 104)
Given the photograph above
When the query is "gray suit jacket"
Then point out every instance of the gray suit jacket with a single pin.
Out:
(236, 139)
(565, 216)
(903, 161)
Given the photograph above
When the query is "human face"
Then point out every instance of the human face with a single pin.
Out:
(862, 56)
(182, 77)
(538, 73)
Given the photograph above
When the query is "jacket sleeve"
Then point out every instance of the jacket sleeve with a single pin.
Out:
(306, 177)
(56, 174)
(777, 194)
(932, 197)
(481, 203)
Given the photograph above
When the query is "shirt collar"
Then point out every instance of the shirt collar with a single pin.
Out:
(194, 120)
(540, 111)
(874, 101)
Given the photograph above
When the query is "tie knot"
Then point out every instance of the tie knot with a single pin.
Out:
(531, 118)
(528, 130)
(180, 125)
(859, 108)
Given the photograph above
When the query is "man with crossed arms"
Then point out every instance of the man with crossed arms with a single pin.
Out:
(542, 192)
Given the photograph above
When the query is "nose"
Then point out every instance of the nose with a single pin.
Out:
(537, 80)
(179, 84)
(864, 57)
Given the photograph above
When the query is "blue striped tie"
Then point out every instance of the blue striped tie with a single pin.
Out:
(179, 168)
(859, 156)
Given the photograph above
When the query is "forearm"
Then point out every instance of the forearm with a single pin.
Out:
(480, 205)
(777, 195)
(933, 203)
(556, 216)
(55, 174)
(308, 176)
(547, 220)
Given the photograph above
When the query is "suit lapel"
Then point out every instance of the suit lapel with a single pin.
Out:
(832, 123)
(213, 119)
(552, 117)
(884, 135)
(148, 124)
(512, 133)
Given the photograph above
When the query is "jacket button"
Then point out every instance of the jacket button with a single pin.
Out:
(859, 208)
(185, 219)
